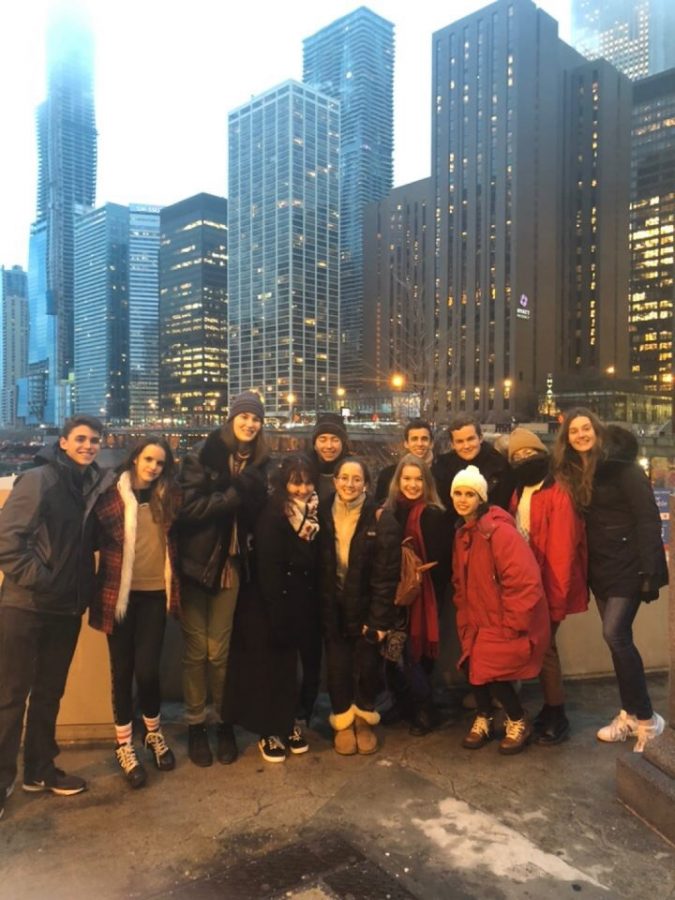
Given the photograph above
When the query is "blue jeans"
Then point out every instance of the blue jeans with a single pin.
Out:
(617, 614)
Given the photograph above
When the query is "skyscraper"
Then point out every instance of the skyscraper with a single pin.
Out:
(143, 312)
(284, 247)
(66, 133)
(636, 36)
(193, 273)
(352, 60)
(13, 338)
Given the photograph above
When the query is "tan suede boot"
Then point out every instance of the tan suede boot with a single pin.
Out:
(343, 726)
(366, 739)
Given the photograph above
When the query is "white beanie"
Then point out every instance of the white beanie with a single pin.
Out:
(471, 478)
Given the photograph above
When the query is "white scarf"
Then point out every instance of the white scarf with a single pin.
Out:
(303, 516)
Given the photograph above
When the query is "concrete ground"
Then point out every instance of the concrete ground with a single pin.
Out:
(422, 818)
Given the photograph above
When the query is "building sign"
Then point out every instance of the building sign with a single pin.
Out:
(663, 502)
(523, 309)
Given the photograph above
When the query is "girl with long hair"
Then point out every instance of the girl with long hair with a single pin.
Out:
(136, 584)
(597, 465)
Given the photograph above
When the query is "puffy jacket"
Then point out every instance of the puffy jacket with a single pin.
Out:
(493, 467)
(47, 535)
(623, 526)
(558, 541)
(212, 501)
(367, 596)
(502, 614)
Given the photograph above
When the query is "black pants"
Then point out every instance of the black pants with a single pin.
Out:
(502, 691)
(310, 647)
(135, 647)
(353, 671)
(410, 682)
(36, 650)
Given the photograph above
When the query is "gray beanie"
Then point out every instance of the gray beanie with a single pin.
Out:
(246, 402)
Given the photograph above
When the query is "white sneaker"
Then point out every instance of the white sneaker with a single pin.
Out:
(648, 732)
(621, 727)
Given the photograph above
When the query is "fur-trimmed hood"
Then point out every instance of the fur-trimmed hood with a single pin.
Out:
(621, 445)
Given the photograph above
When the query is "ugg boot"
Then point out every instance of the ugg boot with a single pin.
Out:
(343, 726)
(366, 739)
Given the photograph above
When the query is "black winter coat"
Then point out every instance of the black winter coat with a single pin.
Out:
(623, 525)
(367, 596)
(212, 500)
(494, 468)
(47, 535)
(437, 534)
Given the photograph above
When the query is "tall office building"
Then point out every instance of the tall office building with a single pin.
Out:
(508, 163)
(652, 226)
(193, 274)
(352, 60)
(143, 312)
(398, 245)
(284, 248)
(636, 36)
(67, 139)
(13, 339)
(102, 313)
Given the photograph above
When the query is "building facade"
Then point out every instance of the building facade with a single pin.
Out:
(284, 277)
(352, 60)
(193, 283)
(143, 313)
(13, 339)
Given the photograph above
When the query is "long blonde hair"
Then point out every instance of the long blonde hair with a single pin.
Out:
(429, 492)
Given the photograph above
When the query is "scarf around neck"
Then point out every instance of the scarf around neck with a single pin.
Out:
(423, 627)
(303, 516)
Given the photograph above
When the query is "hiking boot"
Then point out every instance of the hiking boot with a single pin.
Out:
(133, 771)
(479, 734)
(272, 749)
(552, 728)
(163, 756)
(198, 745)
(518, 734)
(648, 732)
(227, 746)
(366, 739)
(345, 741)
(56, 781)
(297, 742)
(621, 727)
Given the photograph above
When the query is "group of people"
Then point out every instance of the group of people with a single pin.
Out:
(270, 566)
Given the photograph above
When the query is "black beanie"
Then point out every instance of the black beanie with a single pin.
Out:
(246, 402)
(330, 423)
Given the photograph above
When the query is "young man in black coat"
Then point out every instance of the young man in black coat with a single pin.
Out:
(47, 556)
(418, 439)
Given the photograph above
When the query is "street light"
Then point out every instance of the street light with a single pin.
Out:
(290, 398)
(397, 381)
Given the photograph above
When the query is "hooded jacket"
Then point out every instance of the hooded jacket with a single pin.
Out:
(502, 614)
(47, 535)
(623, 526)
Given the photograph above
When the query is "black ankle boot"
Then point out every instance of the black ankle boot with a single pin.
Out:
(555, 728)
(227, 746)
(198, 745)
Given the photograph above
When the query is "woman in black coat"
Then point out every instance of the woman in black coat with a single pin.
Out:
(626, 560)
(359, 570)
(261, 686)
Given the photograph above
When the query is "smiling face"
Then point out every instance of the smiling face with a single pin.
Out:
(148, 465)
(328, 447)
(350, 482)
(418, 442)
(246, 426)
(581, 434)
(466, 502)
(81, 445)
(466, 442)
(299, 490)
(411, 483)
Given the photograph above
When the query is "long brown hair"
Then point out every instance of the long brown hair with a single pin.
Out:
(165, 494)
(429, 492)
(259, 452)
(572, 471)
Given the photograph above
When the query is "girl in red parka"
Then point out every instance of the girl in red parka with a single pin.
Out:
(136, 582)
(546, 518)
(502, 614)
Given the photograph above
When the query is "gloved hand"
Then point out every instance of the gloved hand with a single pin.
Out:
(647, 591)
(250, 480)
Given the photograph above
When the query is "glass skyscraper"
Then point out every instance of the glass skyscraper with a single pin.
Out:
(13, 338)
(143, 312)
(352, 60)
(284, 237)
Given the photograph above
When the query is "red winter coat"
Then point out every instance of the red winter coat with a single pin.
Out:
(502, 614)
(558, 541)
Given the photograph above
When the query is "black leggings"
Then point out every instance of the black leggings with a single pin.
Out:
(135, 647)
(502, 691)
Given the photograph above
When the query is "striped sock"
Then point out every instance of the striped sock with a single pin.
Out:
(151, 724)
(123, 733)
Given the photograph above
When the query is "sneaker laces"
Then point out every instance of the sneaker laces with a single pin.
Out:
(275, 743)
(155, 740)
(296, 734)
(622, 726)
(515, 728)
(126, 757)
(481, 726)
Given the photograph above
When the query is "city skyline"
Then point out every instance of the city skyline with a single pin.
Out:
(145, 156)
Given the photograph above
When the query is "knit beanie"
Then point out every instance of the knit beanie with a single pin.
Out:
(246, 402)
(520, 438)
(330, 423)
(471, 478)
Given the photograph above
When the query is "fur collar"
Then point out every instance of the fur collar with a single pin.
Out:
(214, 453)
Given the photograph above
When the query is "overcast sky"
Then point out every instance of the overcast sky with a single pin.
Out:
(166, 76)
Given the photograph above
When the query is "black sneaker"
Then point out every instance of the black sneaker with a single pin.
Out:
(272, 749)
(6, 793)
(133, 771)
(56, 781)
(162, 754)
(227, 746)
(198, 745)
(297, 742)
